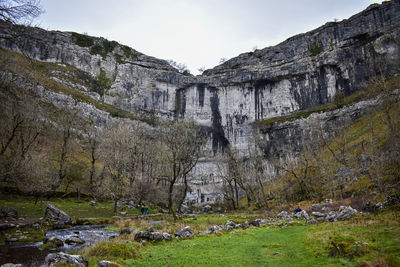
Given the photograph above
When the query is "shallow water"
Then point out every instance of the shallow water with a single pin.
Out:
(30, 254)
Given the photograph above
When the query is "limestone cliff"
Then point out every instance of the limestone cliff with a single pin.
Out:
(304, 71)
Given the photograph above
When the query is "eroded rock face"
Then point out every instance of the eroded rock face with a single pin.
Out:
(57, 259)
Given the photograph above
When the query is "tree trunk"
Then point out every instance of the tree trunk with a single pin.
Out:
(170, 201)
(236, 194)
(115, 205)
(185, 188)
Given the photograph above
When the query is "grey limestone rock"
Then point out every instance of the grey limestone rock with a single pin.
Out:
(185, 232)
(60, 258)
(258, 222)
(302, 215)
(54, 214)
(345, 213)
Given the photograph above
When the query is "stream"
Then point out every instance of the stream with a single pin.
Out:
(30, 255)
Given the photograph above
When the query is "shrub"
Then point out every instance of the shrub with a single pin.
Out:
(315, 48)
(109, 46)
(101, 83)
(97, 50)
(127, 51)
(82, 40)
(119, 249)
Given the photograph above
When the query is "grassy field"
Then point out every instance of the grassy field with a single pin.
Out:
(26, 207)
(365, 240)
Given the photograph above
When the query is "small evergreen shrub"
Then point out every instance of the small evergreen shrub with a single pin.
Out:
(82, 40)
(315, 48)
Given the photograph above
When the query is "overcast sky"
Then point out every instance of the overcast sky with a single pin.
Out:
(197, 33)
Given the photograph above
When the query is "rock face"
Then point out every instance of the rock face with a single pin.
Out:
(304, 71)
(57, 215)
(57, 259)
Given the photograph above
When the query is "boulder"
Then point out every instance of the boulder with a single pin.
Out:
(206, 209)
(126, 231)
(54, 214)
(345, 213)
(107, 264)
(185, 232)
(93, 203)
(231, 225)
(284, 215)
(54, 242)
(152, 236)
(185, 209)
(312, 221)
(215, 229)
(331, 217)
(60, 258)
(167, 236)
(258, 222)
(325, 210)
(74, 240)
(244, 225)
(318, 214)
(302, 215)
(156, 236)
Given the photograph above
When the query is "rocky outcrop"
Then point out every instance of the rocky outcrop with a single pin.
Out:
(58, 216)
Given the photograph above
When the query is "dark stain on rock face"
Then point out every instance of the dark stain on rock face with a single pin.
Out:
(200, 92)
(180, 103)
(219, 141)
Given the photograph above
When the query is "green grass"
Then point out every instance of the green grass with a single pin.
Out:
(297, 245)
(76, 209)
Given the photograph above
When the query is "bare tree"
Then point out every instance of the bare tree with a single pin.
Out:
(180, 150)
(19, 132)
(116, 149)
(20, 11)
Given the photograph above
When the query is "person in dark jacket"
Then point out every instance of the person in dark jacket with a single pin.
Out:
(296, 210)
